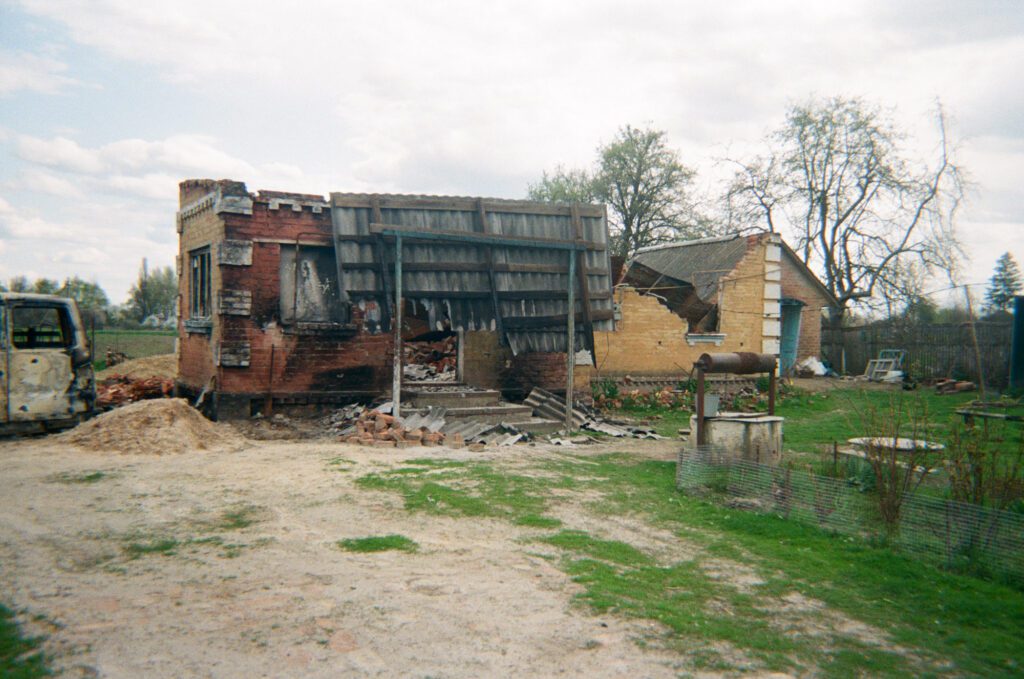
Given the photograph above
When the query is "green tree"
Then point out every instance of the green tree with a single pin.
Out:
(91, 298)
(870, 220)
(154, 293)
(1004, 285)
(644, 184)
(46, 286)
(564, 186)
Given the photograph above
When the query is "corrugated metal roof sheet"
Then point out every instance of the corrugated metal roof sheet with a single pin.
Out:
(701, 263)
(450, 280)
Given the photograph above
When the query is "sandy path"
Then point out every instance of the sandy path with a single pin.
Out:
(476, 600)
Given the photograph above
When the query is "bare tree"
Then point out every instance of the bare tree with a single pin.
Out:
(862, 214)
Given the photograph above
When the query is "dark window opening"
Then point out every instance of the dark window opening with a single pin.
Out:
(200, 283)
(309, 286)
(40, 328)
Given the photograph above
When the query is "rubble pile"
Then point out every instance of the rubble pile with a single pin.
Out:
(374, 428)
(431, 361)
(121, 389)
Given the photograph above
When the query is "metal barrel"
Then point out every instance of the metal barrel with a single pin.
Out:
(738, 363)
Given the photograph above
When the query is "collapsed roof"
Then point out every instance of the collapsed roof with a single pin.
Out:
(686, 275)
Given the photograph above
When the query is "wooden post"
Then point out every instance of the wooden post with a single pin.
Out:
(771, 391)
(396, 375)
(701, 435)
(581, 273)
(570, 338)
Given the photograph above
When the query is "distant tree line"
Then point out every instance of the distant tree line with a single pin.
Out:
(151, 300)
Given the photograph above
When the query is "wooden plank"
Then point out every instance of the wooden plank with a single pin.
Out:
(559, 321)
(384, 293)
(472, 238)
(456, 204)
(489, 261)
(581, 264)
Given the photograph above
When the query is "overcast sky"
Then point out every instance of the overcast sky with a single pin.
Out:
(105, 105)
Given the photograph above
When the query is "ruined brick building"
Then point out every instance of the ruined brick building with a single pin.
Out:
(288, 298)
(677, 301)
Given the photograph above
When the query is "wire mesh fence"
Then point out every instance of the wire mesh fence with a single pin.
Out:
(954, 534)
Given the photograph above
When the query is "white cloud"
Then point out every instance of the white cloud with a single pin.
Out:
(25, 71)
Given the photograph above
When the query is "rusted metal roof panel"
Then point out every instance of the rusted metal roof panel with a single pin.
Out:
(452, 282)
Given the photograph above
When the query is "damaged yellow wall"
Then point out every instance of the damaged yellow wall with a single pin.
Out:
(651, 339)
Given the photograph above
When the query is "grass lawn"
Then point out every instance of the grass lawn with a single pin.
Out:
(20, 657)
(134, 343)
(934, 622)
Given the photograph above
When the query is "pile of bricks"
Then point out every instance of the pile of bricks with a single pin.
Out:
(431, 361)
(374, 428)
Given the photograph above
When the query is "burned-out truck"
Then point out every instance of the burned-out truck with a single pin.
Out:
(46, 375)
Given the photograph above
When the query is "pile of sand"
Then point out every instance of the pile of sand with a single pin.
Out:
(157, 427)
(161, 365)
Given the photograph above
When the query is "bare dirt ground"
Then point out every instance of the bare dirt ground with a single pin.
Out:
(131, 564)
(138, 561)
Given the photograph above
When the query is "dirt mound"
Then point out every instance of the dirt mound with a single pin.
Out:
(161, 365)
(158, 427)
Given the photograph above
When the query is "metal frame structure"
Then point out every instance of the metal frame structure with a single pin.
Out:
(400, 233)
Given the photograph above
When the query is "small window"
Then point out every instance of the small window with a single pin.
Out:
(40, 328)
(200, 286)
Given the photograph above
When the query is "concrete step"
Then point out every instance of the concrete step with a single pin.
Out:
(451, 398)
(493, 414)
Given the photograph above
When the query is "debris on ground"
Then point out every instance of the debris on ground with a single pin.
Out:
(160, 365)
(431, 361)
(428, 426)
(954, 386)
(160, 427)
(546, 404)
(374, 428)
(121, 389)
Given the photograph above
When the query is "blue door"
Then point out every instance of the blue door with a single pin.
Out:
(791, 310)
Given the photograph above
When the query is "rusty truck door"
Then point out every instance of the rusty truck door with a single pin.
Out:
(39, 377)
(4, 349)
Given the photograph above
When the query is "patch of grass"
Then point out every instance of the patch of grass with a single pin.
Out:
(948, 623)
(20, 657)
(164, 546)
(605, 550)
(452, 488)
(814, 421)
(81, 477)
(379, 543)
(936, 614)
(239, 517)
(537, 521)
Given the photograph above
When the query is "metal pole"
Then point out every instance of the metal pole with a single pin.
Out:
(570, 338)
(396, 376)
(700, 406)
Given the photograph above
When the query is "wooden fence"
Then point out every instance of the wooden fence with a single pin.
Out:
(933, 350)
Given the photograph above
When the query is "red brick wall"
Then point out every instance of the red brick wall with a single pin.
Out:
(301, 363)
